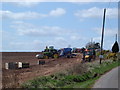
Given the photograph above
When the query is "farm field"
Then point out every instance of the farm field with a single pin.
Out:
(14, 78)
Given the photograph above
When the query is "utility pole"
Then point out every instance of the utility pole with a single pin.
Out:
(91, 40)
(116, 38)
(102, 36)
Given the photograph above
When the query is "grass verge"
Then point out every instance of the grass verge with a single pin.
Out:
(74, 79)
(99, 71)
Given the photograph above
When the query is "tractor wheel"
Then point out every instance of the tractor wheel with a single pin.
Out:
(55, 56)
(46, 57)
(68, 56)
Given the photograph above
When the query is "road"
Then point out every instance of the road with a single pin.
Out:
(109, 80)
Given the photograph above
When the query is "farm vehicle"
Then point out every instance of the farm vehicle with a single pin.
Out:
(89, 54)
(77, 50)
(54, 53)
(48, 53)
(66, 52)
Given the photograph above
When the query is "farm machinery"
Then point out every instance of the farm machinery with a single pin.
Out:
(48, 53)
(89, 54)
(66, 52)
(54, 53)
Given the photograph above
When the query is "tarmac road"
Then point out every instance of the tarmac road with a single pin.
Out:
(109, 80)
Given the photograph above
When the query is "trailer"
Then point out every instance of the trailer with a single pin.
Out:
(66, 52)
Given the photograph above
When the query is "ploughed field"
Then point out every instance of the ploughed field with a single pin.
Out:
(14, 78)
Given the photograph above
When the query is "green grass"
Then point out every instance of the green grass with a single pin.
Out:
(100, 71)
(85, 84)
(63, 80)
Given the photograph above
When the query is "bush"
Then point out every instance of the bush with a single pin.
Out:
(63, 79)
(118, 56)
(111, 55)
(78, 69)
(104, 52)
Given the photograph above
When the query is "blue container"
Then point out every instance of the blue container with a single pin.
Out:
(67, 50)
(64, 51)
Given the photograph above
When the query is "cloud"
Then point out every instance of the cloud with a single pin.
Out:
(107, 44)
(53, 34)
(36, 31)
(21, 15)
(74, 38)
(41, 31)
(12, 42)
(59, 33)
(57, 12)
(38, 45)
(95, 12)
(35, 45)
(26, 4)
(97, 39)
(60, 39)
(77, 37)
(30, 15)
(108, 32)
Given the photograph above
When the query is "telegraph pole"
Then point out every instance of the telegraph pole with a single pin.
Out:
(102, 36)
(116, 38)
(91, 40)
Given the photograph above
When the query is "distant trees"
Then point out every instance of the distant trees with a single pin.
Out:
(93, 45)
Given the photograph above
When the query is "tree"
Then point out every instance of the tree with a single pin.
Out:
(115, 47)
(97, 45)
(93, 45)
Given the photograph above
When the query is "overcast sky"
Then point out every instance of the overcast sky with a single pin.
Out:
(32, 26)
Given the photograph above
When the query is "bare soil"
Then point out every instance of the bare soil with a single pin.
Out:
(14, 78)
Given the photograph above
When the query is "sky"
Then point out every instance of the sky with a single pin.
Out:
(31, 26)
